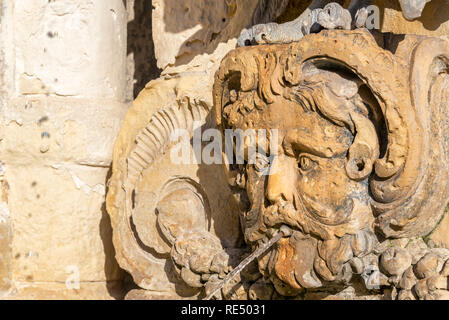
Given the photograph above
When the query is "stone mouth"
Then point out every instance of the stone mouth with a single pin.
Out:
(282, 271)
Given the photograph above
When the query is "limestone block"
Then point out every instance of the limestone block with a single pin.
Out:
(5, 237)
(55, 51)
(434, 20)
(62, 87)
(183, 30)
(6, 51)
(6, 76)
(60, 224)
(54, 130)
(56, 154)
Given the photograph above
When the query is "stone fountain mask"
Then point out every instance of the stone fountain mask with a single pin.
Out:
(350, 164)
(318, 181)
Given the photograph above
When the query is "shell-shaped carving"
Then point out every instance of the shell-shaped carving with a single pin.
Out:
(132, 155)
(153, 139)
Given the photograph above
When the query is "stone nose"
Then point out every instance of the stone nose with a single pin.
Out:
(281, 180)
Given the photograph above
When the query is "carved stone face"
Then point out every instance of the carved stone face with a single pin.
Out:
(309, 171)
(308, 188)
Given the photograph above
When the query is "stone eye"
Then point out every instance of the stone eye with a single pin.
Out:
(262, 163)
(305, 163)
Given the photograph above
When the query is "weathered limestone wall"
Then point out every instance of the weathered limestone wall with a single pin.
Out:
(183, 30)
(69, 70)
(433, 22)
(63, 95)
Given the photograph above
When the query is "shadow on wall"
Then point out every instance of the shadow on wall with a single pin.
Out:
(140, 46)
(213, 21)
(208, 17)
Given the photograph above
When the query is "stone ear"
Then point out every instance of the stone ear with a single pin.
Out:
(360, 164)
(364, 151)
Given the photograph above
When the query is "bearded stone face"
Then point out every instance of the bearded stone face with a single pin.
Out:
(356, 153)
(308, 189)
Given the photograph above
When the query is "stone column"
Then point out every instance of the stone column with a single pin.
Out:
(63, 92)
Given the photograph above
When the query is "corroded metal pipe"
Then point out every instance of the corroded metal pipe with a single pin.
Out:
(284, 231)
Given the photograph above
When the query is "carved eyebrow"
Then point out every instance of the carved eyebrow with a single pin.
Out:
(293, 146)
(316, 143)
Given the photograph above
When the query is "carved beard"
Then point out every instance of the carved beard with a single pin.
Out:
(306, 260)
(323, 243)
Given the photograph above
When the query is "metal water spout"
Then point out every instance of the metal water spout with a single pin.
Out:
(284, 231)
